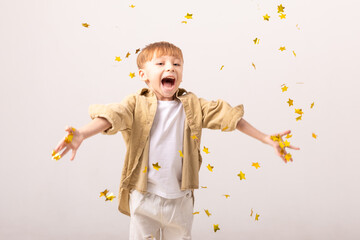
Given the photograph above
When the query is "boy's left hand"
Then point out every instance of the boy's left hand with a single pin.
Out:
(275, 144)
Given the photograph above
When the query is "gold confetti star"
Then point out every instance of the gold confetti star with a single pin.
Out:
(207, 212)
(222, 67)
(290, 102)
(69, 138)
(226, 195)
(251, 213)
(287, 143)
(257, 217)
(288, 157)
(282, 48)
(156, 166)
(312, 105)
(284, 88)
(282, 16)
(195, 213)
(188, 16)
(85, 25)
(184, 22)
(145, 170)
(266, 17)
(104, 193)
(194, 137)
(137, 51)
(281, 144)
(253, 65)
(55, 156)
(203, 186)
(256, 165)
(210, 167)
(288, 136)
(132, 74)
(223, 129)
(256, 41)
(241, 175)
(297, 26)
(206, 150)
(298, 118)
(314, 135)
(181, 154)
(110, 197)
(299, 111)
(294, 53)
(127, 55)
(280, 8)
(117, 59)
(132, 6)
(216, 227)
(275, 138)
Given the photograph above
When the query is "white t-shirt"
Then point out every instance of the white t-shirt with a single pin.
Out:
(166, 139)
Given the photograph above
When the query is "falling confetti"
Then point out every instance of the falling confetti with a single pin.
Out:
(280, 8)
(312, 105)
(132, 74)
(256, 165)
(132, 6)
(127, 55)
(284, 88)
(251, 213)
(256, 41)
(222, 67)
(226, 195)
(137, 51)
(210, 167)
(188, 16)
(216, 227)
(207, 212)
(117, 59)
(290, 102)
(294, 53)
(282, 16)
(314, 135)
(266, 17)
(184, 22)
(156, 166)
(55, 156)
(253, 65)
(110, 197)
(145, 170)
(241, 175)
(297, 26)
(288, 136)
(257, 217)
(195, 213)
(85, 25)
(282, 48)
(181, 154)
(298, 118)
(203, 186)
(299, 111)
(104, 193)
(206, 150)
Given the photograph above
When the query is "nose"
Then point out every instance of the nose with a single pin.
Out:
(169, 67)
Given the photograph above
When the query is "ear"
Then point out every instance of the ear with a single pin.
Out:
(142, 75)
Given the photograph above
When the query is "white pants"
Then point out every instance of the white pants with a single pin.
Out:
(153, 216)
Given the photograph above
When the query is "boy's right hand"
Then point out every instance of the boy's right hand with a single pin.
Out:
(73, 145)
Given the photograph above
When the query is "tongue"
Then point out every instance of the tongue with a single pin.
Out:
(167, 84)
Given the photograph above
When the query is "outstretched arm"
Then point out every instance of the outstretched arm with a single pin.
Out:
(96, 126)
(249, 130)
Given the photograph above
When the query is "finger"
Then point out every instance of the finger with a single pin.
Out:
(65, 151)
(285, 133)
(60, 146)
(293, 147)
(73, 155)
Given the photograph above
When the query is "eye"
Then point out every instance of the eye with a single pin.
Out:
(176, 64)
(159, 63)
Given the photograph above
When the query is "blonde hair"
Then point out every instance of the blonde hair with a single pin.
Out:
(160, 49)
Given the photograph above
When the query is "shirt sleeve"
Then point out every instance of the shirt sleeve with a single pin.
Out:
(120, 115)
(220, 115)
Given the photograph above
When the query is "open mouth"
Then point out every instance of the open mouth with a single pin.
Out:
(168, 82)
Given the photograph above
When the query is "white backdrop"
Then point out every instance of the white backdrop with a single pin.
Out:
(53, 68)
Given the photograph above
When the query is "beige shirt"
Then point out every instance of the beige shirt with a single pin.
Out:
(134, 116)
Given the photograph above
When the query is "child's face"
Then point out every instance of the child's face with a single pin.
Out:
(163, 75)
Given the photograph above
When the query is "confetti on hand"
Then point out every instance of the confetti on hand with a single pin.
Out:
(85, 25)
(206, 150)
(216, 227)
(156, 166)
(276, 142)
(207, 212)
(210, 167)
(256, 165)
(266, 17)
(241, 175)
(288, 136)
(55, 156)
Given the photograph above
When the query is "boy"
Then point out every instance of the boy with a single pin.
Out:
(161, 126)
